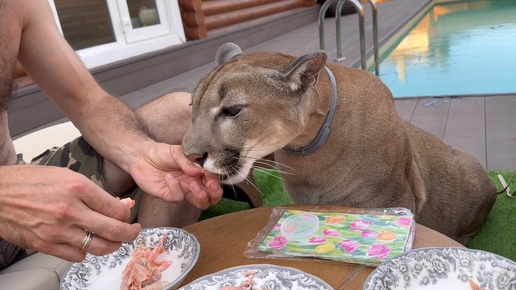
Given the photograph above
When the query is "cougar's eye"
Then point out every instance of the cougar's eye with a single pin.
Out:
(232, 111)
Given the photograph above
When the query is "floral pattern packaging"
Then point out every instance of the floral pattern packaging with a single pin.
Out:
(368, 238)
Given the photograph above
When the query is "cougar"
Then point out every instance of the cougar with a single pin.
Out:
(336, 134)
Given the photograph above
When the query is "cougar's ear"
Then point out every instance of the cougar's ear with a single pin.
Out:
(226, 52)
(303, 71)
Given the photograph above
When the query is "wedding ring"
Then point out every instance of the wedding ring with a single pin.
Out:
(86, 241)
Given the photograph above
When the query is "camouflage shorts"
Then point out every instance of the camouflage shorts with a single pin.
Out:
(77, 155)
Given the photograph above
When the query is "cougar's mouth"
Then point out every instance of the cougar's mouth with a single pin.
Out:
(232, 173)
(229, 168)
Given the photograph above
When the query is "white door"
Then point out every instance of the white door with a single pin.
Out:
(142, 19)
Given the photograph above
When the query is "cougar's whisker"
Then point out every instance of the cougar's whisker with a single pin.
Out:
(234, 191)
(264, 164)
(270, 148)
(246, 178)
(268, 173)
(267, 161)
(258, 166)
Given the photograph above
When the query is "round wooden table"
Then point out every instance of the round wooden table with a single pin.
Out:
(224, 239)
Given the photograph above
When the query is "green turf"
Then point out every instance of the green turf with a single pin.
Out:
(498, 234)
(269, 183)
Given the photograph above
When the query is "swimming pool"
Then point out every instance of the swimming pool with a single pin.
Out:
(459, 48)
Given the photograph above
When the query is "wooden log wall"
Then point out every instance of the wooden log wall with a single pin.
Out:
(202, 16)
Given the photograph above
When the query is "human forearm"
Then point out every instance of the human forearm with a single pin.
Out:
(106, 123)
(112, 129)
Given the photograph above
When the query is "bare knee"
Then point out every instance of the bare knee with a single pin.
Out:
(167, 117)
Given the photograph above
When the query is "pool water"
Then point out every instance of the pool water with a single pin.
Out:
(456, 49)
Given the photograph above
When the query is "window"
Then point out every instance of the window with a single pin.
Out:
(106, 31)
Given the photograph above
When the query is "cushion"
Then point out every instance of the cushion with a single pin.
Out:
(37, 271)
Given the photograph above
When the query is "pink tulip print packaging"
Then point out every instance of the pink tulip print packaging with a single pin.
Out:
(365, 237)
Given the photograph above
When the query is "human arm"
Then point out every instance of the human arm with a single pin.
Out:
(105, 122)
(108, 125)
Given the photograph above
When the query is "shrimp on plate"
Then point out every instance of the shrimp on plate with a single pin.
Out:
(143, 270)
(246, 285)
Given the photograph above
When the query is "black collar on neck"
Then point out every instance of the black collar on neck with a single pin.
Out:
(325, 129)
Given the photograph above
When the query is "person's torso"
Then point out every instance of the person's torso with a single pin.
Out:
(10, 40)
(7, 151)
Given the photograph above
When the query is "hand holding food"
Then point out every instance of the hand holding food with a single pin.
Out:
(61, 213)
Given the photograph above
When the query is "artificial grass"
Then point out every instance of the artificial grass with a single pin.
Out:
(497, 235)
(269, 183)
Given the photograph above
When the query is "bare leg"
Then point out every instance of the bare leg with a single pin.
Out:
(167, 119)
(154, 212)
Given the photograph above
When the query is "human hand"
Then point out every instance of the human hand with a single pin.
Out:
(49, 209)
(163, 171)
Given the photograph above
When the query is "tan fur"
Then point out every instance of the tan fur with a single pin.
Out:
(258, 103)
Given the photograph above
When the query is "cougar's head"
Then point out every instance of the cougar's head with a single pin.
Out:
(248, 107)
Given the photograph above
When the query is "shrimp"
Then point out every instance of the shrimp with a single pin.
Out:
(128, 202)
(143, 270)
(246, 285)
(474, 286)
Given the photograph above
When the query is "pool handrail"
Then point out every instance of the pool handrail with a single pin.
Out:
(361, 26)
(374, 8)
(322, 13)
(360, 11)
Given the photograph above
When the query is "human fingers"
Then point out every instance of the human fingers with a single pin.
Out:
(102, 202)
(90, 242)
(72, 242)
(174, 191)
(195, 193)
(73, 253)
(71, 247)
(66, 252)
(215, 191)
(189, 167)
(106, 216)
(109, 229)
(198, 195)
(212, 184)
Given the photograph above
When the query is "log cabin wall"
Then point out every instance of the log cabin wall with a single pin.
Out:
(201, 17)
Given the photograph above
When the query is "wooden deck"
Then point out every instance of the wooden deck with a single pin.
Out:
(481, 125)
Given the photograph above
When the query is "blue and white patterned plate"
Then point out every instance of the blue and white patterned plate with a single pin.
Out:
(267, 277)
(444, 268)
(94, 272)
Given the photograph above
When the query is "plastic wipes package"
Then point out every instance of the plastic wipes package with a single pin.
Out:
(366, 236)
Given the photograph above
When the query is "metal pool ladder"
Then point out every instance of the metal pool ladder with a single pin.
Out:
(360, 11)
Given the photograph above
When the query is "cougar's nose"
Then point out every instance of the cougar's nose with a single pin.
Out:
(198, 158)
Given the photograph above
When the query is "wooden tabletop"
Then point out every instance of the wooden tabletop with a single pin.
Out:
(224, 239)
